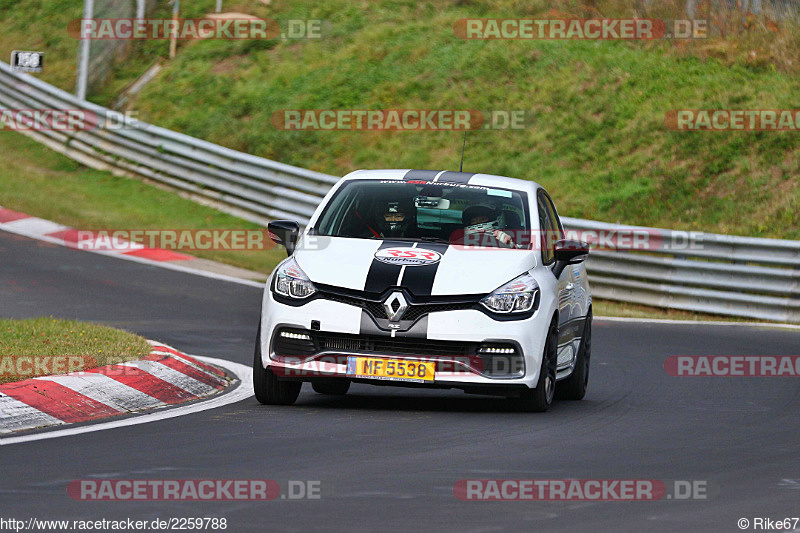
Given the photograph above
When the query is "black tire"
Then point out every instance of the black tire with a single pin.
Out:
(332, 388)
(268, 388)
(574, 387)
(540, 399)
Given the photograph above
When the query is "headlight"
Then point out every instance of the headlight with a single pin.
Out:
(517, 296)
(292, 282)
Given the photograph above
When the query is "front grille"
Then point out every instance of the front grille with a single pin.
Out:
(326, 341)
(414, 311)
(338, 343)
(374, 308)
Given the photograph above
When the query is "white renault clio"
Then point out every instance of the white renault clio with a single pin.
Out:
(423, 278)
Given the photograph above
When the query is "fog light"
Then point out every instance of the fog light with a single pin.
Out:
(501, 360)
(295, 336)
(496, 350)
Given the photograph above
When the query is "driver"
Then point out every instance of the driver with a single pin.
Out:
(487, 219)
(393, 218)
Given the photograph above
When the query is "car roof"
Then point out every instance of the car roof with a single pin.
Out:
(486, 180)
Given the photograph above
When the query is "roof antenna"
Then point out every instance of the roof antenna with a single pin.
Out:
(461, 167)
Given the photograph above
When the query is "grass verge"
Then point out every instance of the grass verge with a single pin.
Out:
(612, 308)
(45, 346)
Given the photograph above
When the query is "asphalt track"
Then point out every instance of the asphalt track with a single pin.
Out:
(387, 458)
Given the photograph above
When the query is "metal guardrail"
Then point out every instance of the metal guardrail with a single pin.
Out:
(259, 189)
(695, 271)
(719, 274)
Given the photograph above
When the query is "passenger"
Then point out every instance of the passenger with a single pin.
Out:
(486, 219)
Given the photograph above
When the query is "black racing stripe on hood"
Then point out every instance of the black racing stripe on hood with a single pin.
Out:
(455, 177)
(425, 175)
(419, 279)
(382, 275)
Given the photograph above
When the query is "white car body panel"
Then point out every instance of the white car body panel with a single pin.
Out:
(479, 271)
(338, 261)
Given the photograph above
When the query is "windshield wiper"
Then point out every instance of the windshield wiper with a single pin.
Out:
(417, 239)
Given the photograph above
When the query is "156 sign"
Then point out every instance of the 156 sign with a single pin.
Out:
(27, 61)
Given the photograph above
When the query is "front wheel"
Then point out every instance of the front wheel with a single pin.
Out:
(268, 388)
(538, 400)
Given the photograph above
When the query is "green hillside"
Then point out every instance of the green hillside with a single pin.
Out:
(598, 143)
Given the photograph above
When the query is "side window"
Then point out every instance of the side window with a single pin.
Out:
(547, 230)
(551, 211)
(551, 227)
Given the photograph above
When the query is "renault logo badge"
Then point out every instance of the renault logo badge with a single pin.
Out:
(395, 306)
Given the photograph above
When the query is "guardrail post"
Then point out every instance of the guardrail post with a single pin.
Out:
(173, 39)
(83, 58)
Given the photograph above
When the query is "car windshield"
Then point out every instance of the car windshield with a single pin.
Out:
(426, 211)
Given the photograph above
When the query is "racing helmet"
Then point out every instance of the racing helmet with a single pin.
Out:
(395, 217)
(495, 219)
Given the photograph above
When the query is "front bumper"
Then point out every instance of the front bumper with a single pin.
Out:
(464, 327)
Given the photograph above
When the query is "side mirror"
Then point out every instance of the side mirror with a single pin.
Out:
(569, 252)
(284, 232)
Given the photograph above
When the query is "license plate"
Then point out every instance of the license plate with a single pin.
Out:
(391, 369)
